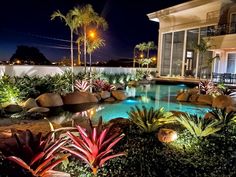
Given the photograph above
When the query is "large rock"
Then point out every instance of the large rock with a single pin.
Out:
(166, 135)
(193, 91)
(205, 99)
(49, 100)
(79, 98)
(193, 98)
(183, 96)
(119, 95)
(105, 95)
(111, 99)
(13, 108)
(79, 101)
(133, 83)
(38, 110)
(222, 101)
(30, 103)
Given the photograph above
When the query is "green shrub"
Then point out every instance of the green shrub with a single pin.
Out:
(150, 120)
(198, 126)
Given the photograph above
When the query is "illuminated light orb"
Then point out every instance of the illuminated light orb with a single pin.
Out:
(166, 135)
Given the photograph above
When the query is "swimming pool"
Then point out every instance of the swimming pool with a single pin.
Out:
(150, 96)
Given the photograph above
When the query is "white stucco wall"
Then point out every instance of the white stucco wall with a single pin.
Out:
(20, 70)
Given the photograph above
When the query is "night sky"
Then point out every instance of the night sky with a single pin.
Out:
(27, 22)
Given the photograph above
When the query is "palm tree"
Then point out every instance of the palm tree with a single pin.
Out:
(71, 23)
(203, 47)
(150, 46)
(79, 41)
(141, 47)
(92, 45)
(86, 17)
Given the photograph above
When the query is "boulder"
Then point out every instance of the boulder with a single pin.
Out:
(105, 94)
(30, 103)
(193, 97)
(166, 135)
(13, 108)
(119, 95)
(222, 101)
(79, 98)
(38, 110)
(183, 96)
(119, 86)
(49, 100)
(231, 108)
(193, 91)
(98, 96)
(205, 99)
(133, 83)
(111, 99)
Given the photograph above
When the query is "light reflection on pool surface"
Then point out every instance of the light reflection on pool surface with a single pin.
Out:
(150, 96)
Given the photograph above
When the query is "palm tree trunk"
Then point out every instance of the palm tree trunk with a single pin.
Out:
(72, 59)
(148, 53)
(134, 59)
(90, 70)
(78, 60)
(85, 48)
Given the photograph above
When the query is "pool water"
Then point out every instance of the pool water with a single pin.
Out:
(150, 96)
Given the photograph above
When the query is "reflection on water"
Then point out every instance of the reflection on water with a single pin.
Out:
(150, 96)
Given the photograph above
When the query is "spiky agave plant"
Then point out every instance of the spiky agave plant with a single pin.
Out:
(150, 120)
(225, 118)
(198, 126)
(35, 153)
(93, 145)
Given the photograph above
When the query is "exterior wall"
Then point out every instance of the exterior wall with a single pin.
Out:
(197, 14)
(31, 70)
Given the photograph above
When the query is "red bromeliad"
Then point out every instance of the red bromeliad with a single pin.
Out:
(37, 154)
(94, 146)
(82, 86)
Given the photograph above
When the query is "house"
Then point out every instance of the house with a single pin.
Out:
(186, 28)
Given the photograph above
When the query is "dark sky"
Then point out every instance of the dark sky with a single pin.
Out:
(27, 22)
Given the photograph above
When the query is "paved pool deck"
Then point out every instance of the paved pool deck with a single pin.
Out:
(187, 81)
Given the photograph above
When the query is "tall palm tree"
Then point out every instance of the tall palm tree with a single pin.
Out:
(92, 45)
(150, 46)
(71, 23)
(88, 17)
(79, 41)
(141, 47)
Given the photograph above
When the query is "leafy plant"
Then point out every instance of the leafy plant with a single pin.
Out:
(224, 117)
(208, 87)
(101, 85)
(94, 146)
(37, 154)
(9, 93)
(82, 86)
(198, 126)
(150, 120)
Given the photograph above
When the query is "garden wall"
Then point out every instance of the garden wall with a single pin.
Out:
(20, 70)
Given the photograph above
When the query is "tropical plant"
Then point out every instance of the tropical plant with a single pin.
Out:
(85, 16)
(94, 146)
(223, 116)
(150, 45)
(72, 24)
(198, 126)
(208, 87)
(82, 86)
(150, 120)
(203, 46)
(101, 85)
(93, 43)
(9, 93)
(36, 154)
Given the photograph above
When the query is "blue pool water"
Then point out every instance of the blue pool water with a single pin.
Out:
(150, 96)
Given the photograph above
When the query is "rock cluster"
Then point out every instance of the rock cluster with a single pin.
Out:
(193, 96)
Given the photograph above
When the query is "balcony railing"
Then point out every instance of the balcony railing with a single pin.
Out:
(229, 28)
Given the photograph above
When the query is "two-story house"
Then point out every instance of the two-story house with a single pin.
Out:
(196, 38)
